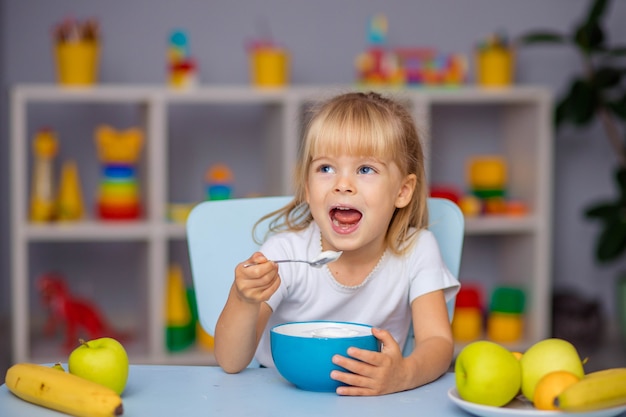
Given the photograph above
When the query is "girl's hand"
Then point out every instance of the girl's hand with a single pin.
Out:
(373, 373)
(256, 283)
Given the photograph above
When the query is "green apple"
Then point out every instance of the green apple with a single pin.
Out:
(546, 356)
(101, 360)
(487, 373)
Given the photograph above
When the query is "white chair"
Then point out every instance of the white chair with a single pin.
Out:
(219, 236)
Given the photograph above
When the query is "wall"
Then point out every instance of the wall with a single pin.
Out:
(324, 37)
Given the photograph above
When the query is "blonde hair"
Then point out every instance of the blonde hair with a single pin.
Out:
(364, 124)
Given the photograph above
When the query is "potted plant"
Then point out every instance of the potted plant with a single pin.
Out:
(598, 93)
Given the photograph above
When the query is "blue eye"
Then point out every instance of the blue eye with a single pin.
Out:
(366, 170)
(326, 169)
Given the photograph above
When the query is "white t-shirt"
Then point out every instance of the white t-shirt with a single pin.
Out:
(383, 300)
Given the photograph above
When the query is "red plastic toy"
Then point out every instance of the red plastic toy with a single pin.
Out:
(79, 316)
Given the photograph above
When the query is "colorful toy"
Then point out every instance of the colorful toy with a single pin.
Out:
(178, 212)
(467, 322)
(45, 148)
(505, 323)
(470, 205)
(494, 61)
(69, 200)
(219, 179)
(118, 193)
(449, 192)
(182, 67)
(180, 325)
(269, 63)
(377, 30)
(406, 66)
(80, 317)
(487, 177)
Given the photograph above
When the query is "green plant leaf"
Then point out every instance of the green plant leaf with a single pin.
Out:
(542, 37)
(606, 77)
(563, 111)
(583, 101)
(620, 180)
(596, 11)
(605, 211)
(611, 242)
(589, 38)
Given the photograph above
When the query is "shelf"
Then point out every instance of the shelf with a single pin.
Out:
(513, 121)
(88, 231)
(500, 225)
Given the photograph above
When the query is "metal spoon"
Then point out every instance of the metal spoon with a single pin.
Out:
(319, 261)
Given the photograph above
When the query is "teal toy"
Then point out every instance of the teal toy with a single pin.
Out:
(219, 180)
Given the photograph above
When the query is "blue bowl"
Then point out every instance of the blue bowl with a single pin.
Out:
(303, 351)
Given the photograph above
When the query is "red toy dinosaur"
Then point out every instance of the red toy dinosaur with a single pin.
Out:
(75, 313)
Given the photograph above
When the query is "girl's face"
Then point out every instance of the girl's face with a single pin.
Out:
(353, 198)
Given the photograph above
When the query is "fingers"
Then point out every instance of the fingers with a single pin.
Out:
(257, 258)
(368, 372)
(257, 282)
(388, 343)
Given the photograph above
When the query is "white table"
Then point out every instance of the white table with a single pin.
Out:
(190, 391)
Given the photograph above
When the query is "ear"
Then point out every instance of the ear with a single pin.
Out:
(405, 193)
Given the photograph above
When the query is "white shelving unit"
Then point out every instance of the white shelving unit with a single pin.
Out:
(505, 250)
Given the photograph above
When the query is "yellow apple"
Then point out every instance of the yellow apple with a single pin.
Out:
(547, 356)
(487, 373)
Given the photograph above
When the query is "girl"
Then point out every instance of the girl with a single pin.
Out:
(360, 189)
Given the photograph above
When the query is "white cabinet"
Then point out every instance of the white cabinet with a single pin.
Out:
(257, 132)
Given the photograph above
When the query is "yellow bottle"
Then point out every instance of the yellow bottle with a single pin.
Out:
(179, 326)
(45, 147)
(69, 200)
(177, 311)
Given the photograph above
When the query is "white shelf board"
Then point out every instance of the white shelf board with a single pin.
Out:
(494, 224)
(88, 231)
(225, 94)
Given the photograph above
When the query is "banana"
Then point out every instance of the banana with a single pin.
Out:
(595, 391)
(605, 372)
(62, 391)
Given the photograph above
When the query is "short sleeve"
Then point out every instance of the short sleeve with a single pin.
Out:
(427, 271)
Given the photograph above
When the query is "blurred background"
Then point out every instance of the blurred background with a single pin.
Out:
(323, 38)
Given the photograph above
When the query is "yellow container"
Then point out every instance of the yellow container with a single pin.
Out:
(77, 62)
(505, 327)
(494, 67)
(487, 172)
(269, 67)
(467, 324)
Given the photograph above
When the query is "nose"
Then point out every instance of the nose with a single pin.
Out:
(344, 185)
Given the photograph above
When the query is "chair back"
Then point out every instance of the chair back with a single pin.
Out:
(219, 236)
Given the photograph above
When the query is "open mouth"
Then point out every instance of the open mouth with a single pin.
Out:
(345, 217)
